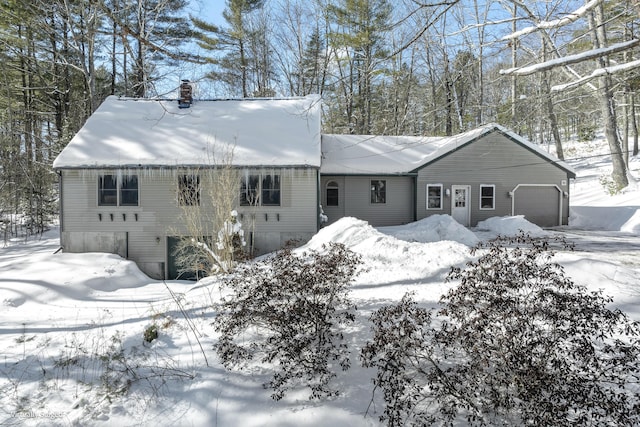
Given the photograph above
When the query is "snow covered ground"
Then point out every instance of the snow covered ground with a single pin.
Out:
(72, 325)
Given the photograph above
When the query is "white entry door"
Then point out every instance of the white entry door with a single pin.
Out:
(460, 206)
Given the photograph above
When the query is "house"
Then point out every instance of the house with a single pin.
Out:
(137, 165)
(124, 176)
(486, 172)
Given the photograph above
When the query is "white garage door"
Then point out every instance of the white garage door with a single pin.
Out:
(540, 204)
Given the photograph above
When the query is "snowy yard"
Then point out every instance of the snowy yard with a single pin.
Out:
(66, 318)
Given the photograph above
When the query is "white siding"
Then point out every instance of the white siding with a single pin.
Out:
(158, 214)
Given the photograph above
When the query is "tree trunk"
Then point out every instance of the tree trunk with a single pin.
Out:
(448, 87)
(481, 28)
(548, 101)
(634, 124)
(625, 129)
(114, 68)
(514, 64)
(607, 103)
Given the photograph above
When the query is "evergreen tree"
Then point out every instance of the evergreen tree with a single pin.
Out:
(358, 43)
(234, 41)
(151, 33)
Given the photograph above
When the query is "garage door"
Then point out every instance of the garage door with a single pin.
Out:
(539, 204)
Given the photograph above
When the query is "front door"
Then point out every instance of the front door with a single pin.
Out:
(460, 206)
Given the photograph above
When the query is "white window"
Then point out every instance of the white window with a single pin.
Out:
(256, 190)
(378, 191)
(117, 191)
(189, 190)
(434, 196)
(332, 193)
(271, 190)
(249, 187)
(487, 197)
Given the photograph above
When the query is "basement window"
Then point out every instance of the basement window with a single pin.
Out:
(487, 197)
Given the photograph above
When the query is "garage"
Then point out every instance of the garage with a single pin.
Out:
(540, 204)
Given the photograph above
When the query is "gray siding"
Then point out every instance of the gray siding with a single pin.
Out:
(158, 215)
(539, 204)
(492, 160)
(355, 199)
(333, 213)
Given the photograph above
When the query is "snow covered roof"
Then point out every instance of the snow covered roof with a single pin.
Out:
(370, 154)
(390, 155)
(126, 132)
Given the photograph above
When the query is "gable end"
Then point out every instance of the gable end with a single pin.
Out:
(507, 135)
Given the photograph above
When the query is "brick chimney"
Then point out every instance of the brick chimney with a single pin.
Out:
(186, 94)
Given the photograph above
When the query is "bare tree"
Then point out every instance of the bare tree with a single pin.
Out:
(593, 13)
(212, 238)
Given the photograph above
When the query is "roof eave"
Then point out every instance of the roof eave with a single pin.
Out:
(182, 166)
(411, 174)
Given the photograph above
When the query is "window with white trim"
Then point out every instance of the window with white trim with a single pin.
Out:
(249, 185)
(129, 190)
(189, 190)
(333, 193)
(117, 191)
(107, 190)
(256, 190)
(271, 190)
(434, 196)
(487, 197)
(378, 191)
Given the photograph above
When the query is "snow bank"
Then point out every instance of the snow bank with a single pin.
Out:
(592, 207)
(391, 260)
(607, 218)
(76, 276)
(633, 224)
(434, 228)
(111, 272)
(510, 226)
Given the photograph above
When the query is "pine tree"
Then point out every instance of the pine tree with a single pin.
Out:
(235, 66)
(359, 47)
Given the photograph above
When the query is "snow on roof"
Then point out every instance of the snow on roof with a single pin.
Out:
(126, 132)
(368, 154)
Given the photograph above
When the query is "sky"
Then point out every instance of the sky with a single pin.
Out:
(209, 11)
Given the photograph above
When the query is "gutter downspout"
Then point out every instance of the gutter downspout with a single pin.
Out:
(60, 209)
(415, 198)
(318, 200)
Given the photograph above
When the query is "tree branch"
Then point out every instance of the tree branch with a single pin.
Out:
(571, 59)
(598, 73)
(556, 23)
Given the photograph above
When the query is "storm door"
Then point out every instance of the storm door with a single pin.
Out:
(460, 206)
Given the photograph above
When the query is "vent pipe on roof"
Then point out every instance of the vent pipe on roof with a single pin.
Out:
(186, 94)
